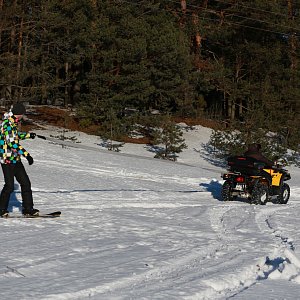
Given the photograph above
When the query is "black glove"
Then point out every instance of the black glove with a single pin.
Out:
(29, 159)
(32, 135)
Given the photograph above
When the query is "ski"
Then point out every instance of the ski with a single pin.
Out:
(54, 214)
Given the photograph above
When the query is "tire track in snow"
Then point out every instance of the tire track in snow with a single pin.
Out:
(179, 269)
(151, 279)
(234, 278)
(276, 259)
(284, 252)
(191, 267)
(230, 233)
(263, 219)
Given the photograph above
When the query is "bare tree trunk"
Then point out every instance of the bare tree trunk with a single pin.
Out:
(1, 8)
(94, 3)
(183, 5)
(293, 51)
(290, 8)
(20, 45)
(183, 9)
(293, 40)
(67, 83)
(13, 29)
(12, 38)
(11, 46)
(93, 25)
(205, 2)
(196, 41)
(231, 109)
(198, 37)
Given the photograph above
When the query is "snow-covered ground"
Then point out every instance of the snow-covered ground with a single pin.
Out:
(134, 227)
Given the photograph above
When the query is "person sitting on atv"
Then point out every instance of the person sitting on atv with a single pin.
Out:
(254, 151)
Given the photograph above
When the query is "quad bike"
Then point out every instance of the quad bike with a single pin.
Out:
(251, 179)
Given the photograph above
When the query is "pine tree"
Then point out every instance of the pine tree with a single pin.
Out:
(138, 62)
(169, 136)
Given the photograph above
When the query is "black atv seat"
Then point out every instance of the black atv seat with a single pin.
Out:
(246, 165)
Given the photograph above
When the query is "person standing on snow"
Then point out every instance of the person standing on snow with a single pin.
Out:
(10, 158)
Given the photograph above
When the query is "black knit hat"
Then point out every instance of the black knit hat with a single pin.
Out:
(18, 109)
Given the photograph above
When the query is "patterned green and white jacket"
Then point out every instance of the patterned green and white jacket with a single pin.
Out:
(10, 149)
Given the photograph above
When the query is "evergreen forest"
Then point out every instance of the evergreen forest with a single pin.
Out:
(125, 62)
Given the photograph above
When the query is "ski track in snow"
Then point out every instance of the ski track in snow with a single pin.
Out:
(138, 230)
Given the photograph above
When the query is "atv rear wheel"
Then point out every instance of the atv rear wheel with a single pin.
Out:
(260, 194)
(226, 192)
(284, 194)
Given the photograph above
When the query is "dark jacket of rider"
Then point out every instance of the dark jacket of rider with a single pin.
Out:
(254, 150)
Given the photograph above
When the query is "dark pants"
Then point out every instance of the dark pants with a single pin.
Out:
(11, 171)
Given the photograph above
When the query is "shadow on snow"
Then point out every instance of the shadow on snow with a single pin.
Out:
(13, 200)
(214, 187)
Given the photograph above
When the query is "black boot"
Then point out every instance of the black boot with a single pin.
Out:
(3, 213)
(30, 212)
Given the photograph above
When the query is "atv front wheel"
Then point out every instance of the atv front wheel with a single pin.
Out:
(284, 194)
